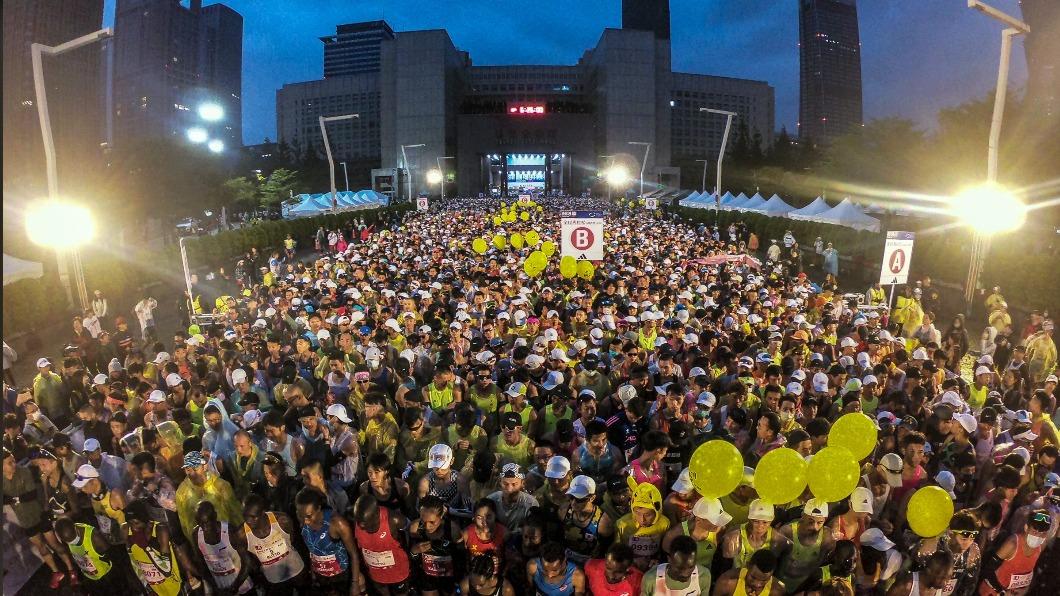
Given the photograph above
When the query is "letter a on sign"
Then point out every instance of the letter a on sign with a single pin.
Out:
(897, 254)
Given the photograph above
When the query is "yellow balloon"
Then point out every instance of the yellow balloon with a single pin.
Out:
(525, 216)
(568, 267)
(856, 432)
(499, 241)
(548, 247)
(510, 217)
(538, 258)
(586, 270)
(497, 220)
(531, 269)
(780, 476)
(929, 511)
(833, 474)
(539, 209)
(479, 245)
(516, 240)
(532, 237)
(715, 469)
(503, 204)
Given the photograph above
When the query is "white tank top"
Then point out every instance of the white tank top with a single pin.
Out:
(222, 560)
(279, 562)
(914, 589)
(662, 590)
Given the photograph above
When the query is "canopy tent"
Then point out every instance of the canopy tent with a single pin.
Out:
(16, 269)
(755, 203)
(690, 200)
(775, 207)
(815, 208)
(317, 204)
(736, 202)
(849, 215)
(726, 200)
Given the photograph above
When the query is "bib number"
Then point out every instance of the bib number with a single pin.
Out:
(1022, 580)
(325, 565)
(378, 560)
(438, 565)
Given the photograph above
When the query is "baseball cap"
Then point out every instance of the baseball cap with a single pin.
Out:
(440, 456)
(847, 342)
(193, 459)
(875, 538)
(947, 481)
(557, 467)
(706, 399)
(239, 376)
(712, 511)
(516, 388)
(820, 382)
(861, 500)
(761, 511)
(161, 357)
(251, 418)
(338, 411)
(156, 397)
(683, 484)
(581, 487)
(511, 420)
(816, 508)
(173, 379)
(794, 388)
(512, 470)
(552, 380)
(42, 362)
(983, 370)
(967, 421)
(1052, 480)
(91, 445)
(892, 468)
(1051, 379)
(85, 473)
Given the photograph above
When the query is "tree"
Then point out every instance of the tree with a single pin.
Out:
(240, 193)
(278, 187)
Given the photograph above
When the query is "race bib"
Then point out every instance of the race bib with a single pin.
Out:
(950, 586)
(150, 573)
(269, 554)
(378, 560)
(325, 565)
(438, 565)
(1022, 580)
(644, 546)
(86, 564)
(219, 565)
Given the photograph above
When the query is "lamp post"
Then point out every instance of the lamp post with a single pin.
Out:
(345, 175)
(405, 161)
(438, 160)
(37, 51)
(981, 240)
(327, 149)
(721, 153)
(643, 164)
(63, 227)
(703, 184)
(609, 166)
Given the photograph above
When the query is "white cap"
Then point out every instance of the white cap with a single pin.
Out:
(847, 342)
(557, 354)
(581, 487)
(947, 481)
(712, 511)
(251, 418)
(761, 511)
(239, 376)
(892, 468)
(798, 375)
(440, 456)
(91, 445)
(156, 397)
(100, 379)
(1051, 379)
(952, 399)
(967, 421)
(875, 538)
(161, 357)
(173, 379)
(393, 324)
(820, 382)
(695, 372)
(794, 388)
(816, 508)
(870, 379)
(338, 411)
(323, 334)
(683, 484)
(557, 467)
(861, 500)
(920, 354)
(626, 392)
(707, 399)
(983, 370)
(85, 473)
(42, 362)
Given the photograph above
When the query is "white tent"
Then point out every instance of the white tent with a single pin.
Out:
(755, 203)
(849, 215)
(16, 269)
(689, 201)
(736, 203)
(818, 206)
(775, 207)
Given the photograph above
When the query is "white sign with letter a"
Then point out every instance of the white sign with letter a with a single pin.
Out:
(897, 254)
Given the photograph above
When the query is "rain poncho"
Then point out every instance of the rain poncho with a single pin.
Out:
(644, 542)
(215, 490)
(219, 442)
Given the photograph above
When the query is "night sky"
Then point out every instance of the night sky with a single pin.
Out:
(917, 55)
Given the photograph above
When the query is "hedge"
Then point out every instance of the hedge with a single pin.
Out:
(1028, 280)
(31, 304)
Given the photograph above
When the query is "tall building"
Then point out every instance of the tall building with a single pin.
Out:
(354, 48)
(170, 59)
(829, 69)
(73, 91)
(1042, 47)
(300, 105)
(647, 15)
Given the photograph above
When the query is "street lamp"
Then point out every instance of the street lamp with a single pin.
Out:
(345, 175)
(216, 145)
(198, 135)
(405, 161)
(981, 240)
(989, 209)
(441, 170)
(211, 112)
(721, 155)
(327, 149)
(647, 148)
(37, 51)
(63, 227)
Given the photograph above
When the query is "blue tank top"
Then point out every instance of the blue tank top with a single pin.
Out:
(593, 467)
(565, 588)
(327, 555)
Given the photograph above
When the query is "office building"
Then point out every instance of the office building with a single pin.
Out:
(829, 69)
(169, 60)
(354, 49)
(1042, 48)
(515, 128)
(75, 106)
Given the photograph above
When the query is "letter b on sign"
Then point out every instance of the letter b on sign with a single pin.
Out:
(581, 238)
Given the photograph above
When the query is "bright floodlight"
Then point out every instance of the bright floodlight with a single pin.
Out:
(434, 176)
(617, 175)
(197, 135)
(989, 209)
(211, 112)
(216, 145)
(60, 225)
